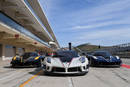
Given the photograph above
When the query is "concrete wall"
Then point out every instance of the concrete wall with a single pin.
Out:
(9, 51)
(0, 51)
(29, 50)
(20, 51)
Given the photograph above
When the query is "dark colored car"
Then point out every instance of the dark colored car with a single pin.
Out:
(104, 58)
(29, 58)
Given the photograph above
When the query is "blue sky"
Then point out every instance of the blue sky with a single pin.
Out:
(104, 22)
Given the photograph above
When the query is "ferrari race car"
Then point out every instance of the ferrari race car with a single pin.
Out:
(65, 62)
(102, 58)
(30, 58)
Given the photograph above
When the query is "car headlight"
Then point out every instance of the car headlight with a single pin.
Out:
(95, 57)
(117, 57)
(82, 59)
(14, 58)
(49, 60)
(37, 57)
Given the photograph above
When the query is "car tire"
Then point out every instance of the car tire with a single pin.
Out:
(39, 63)
(12, 65)
(118, 66)
(91, 63)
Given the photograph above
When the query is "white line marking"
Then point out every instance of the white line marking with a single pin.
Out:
(70, 82)
(9, 76)
(6, 73)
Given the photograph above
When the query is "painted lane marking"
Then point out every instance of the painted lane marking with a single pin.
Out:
(6, 73)
(7, 77)
(10, 74)
(70, 82)
(125, 66)
(34, 76)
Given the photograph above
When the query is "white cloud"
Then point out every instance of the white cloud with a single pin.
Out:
(103, 15)
(104, 37)
(90, 18)
(101, 11)
(112, 33)
(49, 6)
(103, 24)
(108, 8)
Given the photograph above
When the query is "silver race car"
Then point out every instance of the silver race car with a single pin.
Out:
(65, 62)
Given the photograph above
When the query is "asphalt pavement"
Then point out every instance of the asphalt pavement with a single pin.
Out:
(34, 77)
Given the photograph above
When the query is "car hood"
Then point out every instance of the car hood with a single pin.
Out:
(64, 59)
(30, 58)
(58, 62)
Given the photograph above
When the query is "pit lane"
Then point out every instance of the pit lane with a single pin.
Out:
(34, 77)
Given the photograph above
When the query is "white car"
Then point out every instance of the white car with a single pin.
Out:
(66, 62)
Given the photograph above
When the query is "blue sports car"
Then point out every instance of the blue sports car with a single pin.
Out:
(101, 58)
(27, 59)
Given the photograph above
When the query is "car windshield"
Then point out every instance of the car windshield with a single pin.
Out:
(104, 54)
(67, 54)
(27, 55)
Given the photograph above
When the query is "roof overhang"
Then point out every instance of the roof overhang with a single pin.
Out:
(39, 11)
(23, 14)
(7, 35)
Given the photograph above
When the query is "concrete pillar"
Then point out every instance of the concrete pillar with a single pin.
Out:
(0, 5)
(3, 51)
(24, 50)
(15, 50)
(0, 51)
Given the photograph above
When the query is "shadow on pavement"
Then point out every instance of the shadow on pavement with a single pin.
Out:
(105, 66)
(42, 73)
(18, 67)
(64, 75)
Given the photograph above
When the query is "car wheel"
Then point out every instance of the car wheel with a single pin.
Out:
(39, 63)
(118, 66)
(12, 65)
(91, 62)
(42, 62)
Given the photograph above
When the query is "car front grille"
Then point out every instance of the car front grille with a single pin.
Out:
(57, 69)
(74, 69)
